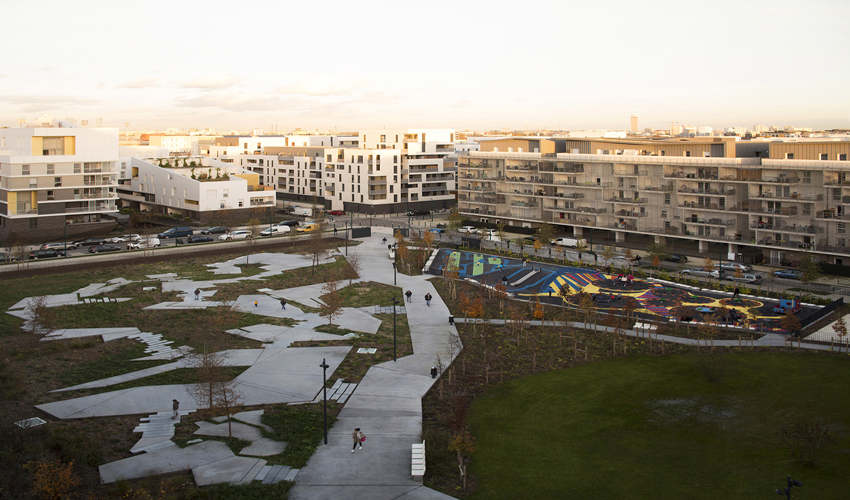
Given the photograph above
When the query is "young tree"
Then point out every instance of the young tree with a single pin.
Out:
(587, 307)
(538, 310)
(545, 233)
(332, 299)
(210, 369)
(254, 226)
(500, 230)
(428, 239)
(608, 255)
(354, 262)
(455, 220)
(810, 270)
(463, 444)
(840, 328)
(708, 265)
(790, 323)
(581, 247)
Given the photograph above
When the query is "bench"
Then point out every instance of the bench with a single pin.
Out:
(417, 461)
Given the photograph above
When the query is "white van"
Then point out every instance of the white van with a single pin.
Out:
(305, 211)
(569, 242)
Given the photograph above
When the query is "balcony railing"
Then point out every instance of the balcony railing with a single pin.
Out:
(627, 200)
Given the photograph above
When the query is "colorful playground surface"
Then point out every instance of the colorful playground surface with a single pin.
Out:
(556, 284)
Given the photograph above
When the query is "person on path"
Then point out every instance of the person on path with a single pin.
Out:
(384, 240)
(408, 294)
(256, 303)
(197, 293)
(176, 406)
(428, 299)
(434, 372)
(359, 438)
(735, 294)
(283, 304)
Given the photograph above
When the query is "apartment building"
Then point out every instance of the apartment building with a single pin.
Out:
(779, 200)
(374, 172)
(211, 193)
(57, 182)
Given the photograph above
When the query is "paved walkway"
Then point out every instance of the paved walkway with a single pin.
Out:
(387, 404)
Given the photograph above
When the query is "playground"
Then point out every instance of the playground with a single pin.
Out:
(649, 299)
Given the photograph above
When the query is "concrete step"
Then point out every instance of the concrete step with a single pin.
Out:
(263, 473)
(252, 472)
(291, 475)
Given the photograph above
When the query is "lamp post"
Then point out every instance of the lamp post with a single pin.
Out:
(324, 366)
(395, 301)
(65, 236)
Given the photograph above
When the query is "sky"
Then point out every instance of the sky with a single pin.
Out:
(346, 65)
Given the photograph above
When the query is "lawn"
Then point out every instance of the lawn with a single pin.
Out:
(698, 425)
(369, 293)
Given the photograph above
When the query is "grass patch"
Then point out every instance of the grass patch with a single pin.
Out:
(369, 293)
(334, 329)
(103, 367)
(251, 491)
(355, 366)
(683, 426)
(178, 376)
(301, 426)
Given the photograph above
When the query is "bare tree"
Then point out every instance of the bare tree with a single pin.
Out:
(210, 369)
(354, 262)
(332, 300)
(840, 328)
(463, 444)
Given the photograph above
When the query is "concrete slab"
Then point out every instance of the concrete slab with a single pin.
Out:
(229, 470)
(164, 461)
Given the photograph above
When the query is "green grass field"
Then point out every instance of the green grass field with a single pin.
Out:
(726, 425)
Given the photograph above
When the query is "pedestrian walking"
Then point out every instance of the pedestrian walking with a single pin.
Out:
(408, 294)
(735, 293)
(197, 293)
(256, 303)
(176, 406)
(428, 299)
(384, 240)
(334, 229)
(283, 304)
(359, 438)
(434, 372)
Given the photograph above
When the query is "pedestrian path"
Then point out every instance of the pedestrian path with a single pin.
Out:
(157, 430)
(387, 404)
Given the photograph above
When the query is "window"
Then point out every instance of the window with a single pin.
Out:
(687, 153)
(51, 168)
(842, 156)
(789, 156)
(50, 195)
(25, 169)
(824, 156)
(57, 182)
(77, 168)
(666, 198)
(807, 177)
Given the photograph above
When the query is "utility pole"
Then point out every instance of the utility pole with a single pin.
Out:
(395, 301)
(324, 366)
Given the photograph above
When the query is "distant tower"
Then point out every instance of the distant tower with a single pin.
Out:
(633, 124)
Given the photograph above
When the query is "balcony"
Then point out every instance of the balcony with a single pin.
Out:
(786, 228)
(629, 213)
(790, 197)
(709, 222)
(630, 201)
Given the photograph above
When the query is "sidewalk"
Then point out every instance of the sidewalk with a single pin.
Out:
(387, 404)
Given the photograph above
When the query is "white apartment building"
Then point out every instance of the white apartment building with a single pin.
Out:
(57, 182)
(217, 193)
(375, 172)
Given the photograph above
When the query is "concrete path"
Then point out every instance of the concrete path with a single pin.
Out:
(387, 404)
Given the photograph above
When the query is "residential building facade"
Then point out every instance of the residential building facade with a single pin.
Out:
(217, 194)
(57, 182)
(777, 200)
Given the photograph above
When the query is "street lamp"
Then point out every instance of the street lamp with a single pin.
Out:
(787, 490)
(395, 301)
(324, 366)
(65, 236)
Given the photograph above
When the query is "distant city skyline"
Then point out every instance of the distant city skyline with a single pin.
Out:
(440, 64)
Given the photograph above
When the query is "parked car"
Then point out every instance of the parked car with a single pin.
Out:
(60, 245)
(788, 274)
(46, 254)
(436, 230)
(288, 223)
(442, 226)
(116, 239)
(214, 230)
(746, 278)
(678, 258)
(415, 213)
(200, 238)
(308, 227)
(132, 237)
(337, 212)
(106, 247)
(241, 234)
(271, 230)
(5, 257)
(466, 229)
(91, 241)
(146, 243)
(702, 273)
(175, 232)
(734, 267)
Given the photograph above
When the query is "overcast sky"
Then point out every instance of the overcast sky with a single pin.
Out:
(463, 64)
